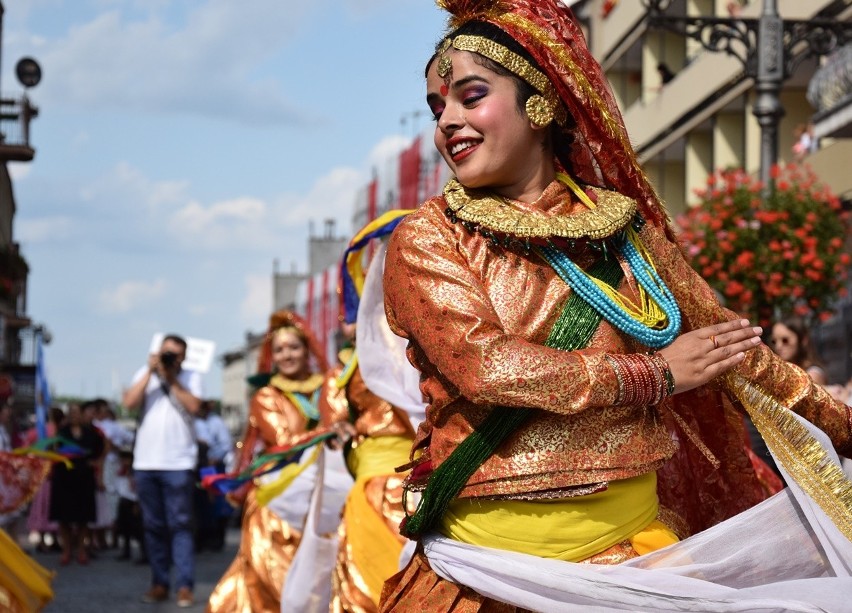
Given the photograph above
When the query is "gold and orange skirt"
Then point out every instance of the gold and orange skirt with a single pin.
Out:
(369, 539)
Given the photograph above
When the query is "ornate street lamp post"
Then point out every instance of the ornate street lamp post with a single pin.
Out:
(769, 48)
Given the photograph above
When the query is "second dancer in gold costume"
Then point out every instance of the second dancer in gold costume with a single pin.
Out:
(280, 412)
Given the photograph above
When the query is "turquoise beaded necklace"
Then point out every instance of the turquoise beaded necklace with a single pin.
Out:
(647, 278)
(657, 335)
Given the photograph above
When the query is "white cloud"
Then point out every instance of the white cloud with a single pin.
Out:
(280, 227)
(331, 197)
(19, 170)
(126, 188)
(129, 295)
(238, 223)
(387, 149)
(197, 310)
(257, 303)
(81, 139)
(118, 61)
(227, 213)
(44, 229)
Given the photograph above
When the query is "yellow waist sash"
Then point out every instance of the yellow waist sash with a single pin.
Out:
(378, 456)
(374, 549)
(570, 529)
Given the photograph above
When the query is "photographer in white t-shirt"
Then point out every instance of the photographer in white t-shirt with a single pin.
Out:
(165, 455)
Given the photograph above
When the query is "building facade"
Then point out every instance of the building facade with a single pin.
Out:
(690, 111)
(17, 335)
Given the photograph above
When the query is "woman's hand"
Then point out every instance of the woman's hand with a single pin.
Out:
(237, 498)
(343, 431)
(702, 355)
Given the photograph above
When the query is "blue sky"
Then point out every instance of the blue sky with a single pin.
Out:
(182, 146)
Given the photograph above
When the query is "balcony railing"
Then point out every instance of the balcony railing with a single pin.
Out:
(15, 117)
(832, 83)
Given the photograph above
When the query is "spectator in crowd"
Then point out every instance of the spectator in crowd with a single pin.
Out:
(790, 339)
(805, 142)
(128, 523)
(104, 514)
(164, 461)
(5, 426)
(116, 437)
(212, 511)
(72, 493)
(39, 517)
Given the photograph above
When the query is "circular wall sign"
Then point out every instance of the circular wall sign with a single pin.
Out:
(28, 72)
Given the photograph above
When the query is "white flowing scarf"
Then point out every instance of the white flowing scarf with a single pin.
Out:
(784, 554)
(381, 353)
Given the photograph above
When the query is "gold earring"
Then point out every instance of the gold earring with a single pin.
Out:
(539, 111)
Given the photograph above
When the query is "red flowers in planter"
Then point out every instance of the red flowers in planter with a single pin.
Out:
(769, 257)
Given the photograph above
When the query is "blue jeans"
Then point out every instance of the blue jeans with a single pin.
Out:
(166, 499)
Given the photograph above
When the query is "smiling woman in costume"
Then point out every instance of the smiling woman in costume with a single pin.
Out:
(281, 411)
(583, 381)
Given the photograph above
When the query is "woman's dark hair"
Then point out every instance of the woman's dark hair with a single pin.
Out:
(57, 416)
(561, 136)
(805, 354)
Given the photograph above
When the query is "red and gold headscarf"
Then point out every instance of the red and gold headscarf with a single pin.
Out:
(601, 153)
(288, 319)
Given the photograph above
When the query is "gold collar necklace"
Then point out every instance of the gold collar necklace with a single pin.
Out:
(492, 215)
(302, 386)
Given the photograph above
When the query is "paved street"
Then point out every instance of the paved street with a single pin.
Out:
(107, 585)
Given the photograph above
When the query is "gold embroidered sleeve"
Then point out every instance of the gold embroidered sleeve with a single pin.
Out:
(375, 416)
(269, 415)
(785, 382)
(435, 298)
(333, 406)
(246, 447)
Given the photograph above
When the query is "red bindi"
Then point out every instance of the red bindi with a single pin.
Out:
(445, 90)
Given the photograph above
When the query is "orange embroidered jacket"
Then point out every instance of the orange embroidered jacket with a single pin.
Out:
(477, 316)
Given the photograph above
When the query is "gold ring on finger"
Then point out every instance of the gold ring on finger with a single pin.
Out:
(714, 341)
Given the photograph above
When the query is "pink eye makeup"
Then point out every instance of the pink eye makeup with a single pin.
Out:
(474, 94)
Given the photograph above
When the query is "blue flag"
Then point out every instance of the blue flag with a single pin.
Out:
(42, 392)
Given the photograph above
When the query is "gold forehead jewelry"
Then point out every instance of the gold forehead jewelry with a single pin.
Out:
(445, 64)
(512, 62)
(287, 329)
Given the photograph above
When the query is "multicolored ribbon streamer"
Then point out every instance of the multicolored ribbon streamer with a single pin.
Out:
(352, 270)
(274, 459)
(55, 448)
